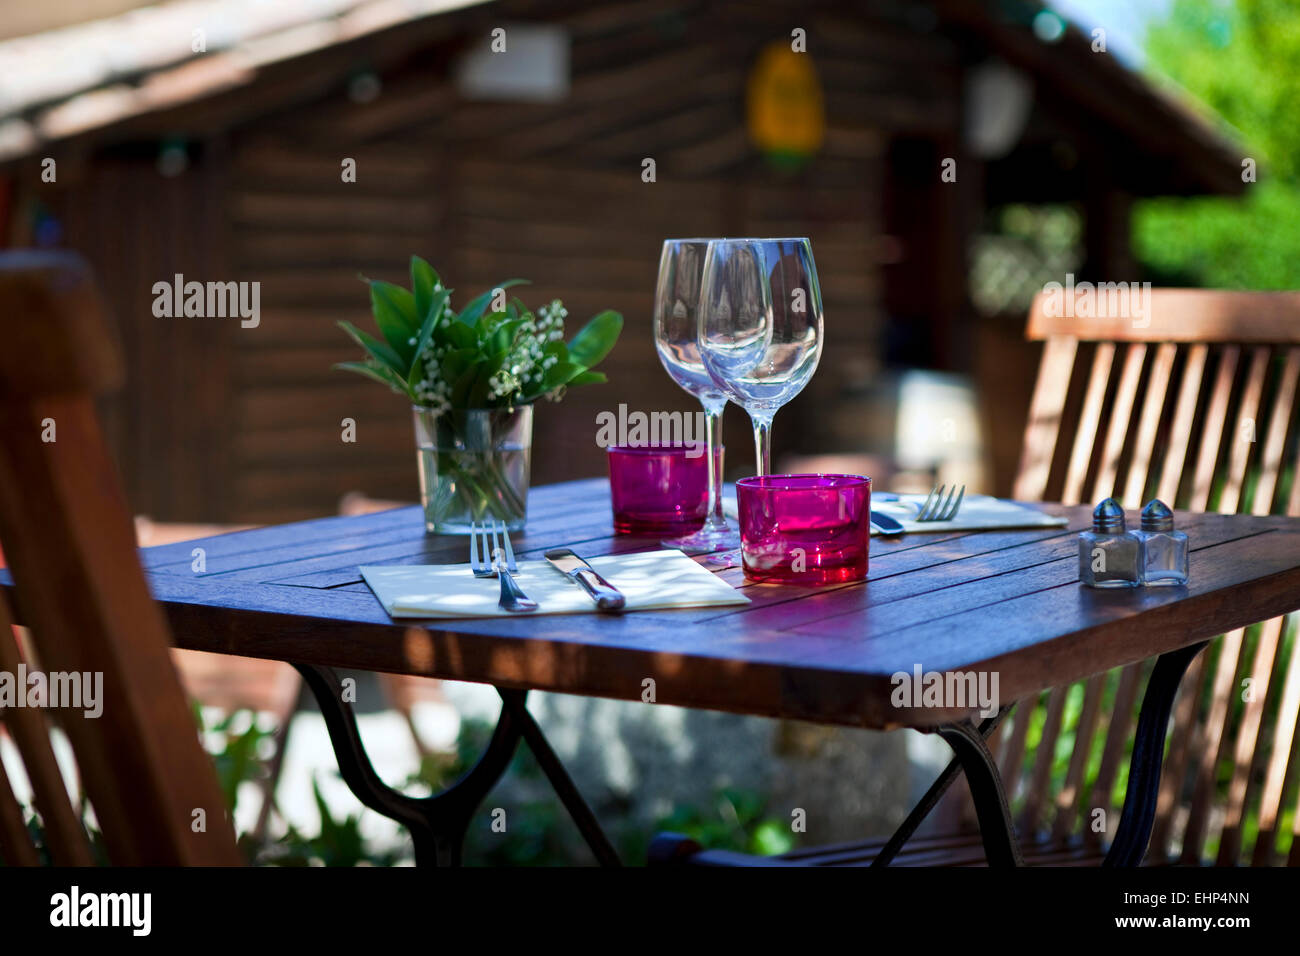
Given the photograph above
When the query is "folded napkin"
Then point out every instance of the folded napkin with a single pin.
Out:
(648, 579)
(977, 513)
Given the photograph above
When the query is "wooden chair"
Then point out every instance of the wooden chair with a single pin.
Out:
(78, 587)
(1193, 403)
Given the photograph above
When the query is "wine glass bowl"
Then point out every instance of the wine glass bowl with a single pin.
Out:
(760, 326)
(676, 335)
(676, 321)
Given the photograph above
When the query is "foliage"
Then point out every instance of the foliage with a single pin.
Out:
(36, 832)
(443, 359)
(242, 755)
(734, 821)
(1021, 248)
(536, 834)
(1238, 58)
(539, 834)
(339, 843)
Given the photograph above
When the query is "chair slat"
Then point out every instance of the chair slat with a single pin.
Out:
(1010, 759)
(1293, 502)
(1153, 404)
(1045, 411)
(1013, 753)
(1117, 735)
(64, 835)
(1270, 801)
(1247, 740)
(998, 740)
(1089, 422)
(1037, 796)
(146, 733)
(1183, 738)
(1212, 428)
(1067, 799)
(1279, 422)
(1180, 432)
(1239, 446)
(1105, 484)
(1212, 743)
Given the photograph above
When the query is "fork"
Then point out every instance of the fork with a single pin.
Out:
(937, 508)
(498, 563)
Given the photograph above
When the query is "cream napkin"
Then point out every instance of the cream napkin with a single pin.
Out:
(648, 579)
(978, 513)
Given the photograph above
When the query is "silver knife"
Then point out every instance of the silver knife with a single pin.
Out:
(606, 596)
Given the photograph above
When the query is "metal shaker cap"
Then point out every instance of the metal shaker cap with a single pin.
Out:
(1108, 516)
(1156, 516)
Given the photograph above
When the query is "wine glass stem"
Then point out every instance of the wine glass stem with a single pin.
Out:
(713, 436)
(762, 444)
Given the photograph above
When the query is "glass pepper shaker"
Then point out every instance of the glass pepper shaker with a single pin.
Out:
(1162, 550)
(1108, 556)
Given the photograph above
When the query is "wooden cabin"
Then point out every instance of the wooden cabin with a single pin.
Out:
(225, 165)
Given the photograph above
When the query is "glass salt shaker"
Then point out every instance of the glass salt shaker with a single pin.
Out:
(1162, 550)
(1108, 557)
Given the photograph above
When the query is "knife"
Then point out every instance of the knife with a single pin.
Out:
(606, 596)
(886, 525)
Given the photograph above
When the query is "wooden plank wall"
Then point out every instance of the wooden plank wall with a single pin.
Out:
(170, 427)
(487, 191)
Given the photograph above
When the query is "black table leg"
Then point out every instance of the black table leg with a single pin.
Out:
(588, 826)
(996, 830)
(1134, 831)
(438, 823)
(932, 796)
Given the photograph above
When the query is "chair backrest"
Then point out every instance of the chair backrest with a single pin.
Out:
(89, 621)
(1187, 395)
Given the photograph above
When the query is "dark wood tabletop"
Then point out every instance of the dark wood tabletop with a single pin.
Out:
(1004, 601)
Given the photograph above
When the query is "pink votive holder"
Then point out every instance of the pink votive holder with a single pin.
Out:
(660, 489)
(804, 529)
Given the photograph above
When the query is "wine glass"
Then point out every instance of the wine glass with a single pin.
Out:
(760, 326)
(677, 298)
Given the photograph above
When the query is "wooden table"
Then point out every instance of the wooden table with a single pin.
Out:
(1001, 601)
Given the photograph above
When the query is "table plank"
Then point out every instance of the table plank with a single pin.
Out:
(891, 603)
(400, 529)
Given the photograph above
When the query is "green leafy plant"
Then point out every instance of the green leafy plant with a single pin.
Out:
(442, 359)
(1237, 58)
(339, 843)
(243, 752)
(735, 821)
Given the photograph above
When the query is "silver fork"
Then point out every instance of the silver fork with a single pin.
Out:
(481, 569)
(498, 562)
(937, 508)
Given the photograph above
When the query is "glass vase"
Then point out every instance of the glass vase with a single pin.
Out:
(473, 466)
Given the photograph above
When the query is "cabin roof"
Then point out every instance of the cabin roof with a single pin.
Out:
(134, 74)
(74, 80)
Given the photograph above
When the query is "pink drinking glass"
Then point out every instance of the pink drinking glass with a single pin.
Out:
(804, 529)
(660, 489)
